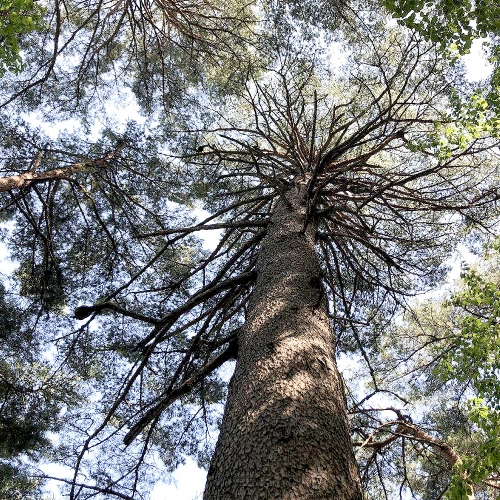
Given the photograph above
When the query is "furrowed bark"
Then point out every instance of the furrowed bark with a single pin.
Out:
(285, 433)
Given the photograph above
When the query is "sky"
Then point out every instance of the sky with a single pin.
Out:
(188, 481)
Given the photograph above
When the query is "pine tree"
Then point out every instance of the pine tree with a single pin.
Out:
(339, 192)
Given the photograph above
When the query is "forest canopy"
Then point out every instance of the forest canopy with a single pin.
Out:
(341, 154)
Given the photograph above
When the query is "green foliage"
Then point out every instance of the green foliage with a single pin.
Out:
(454, 25)
(42, 282)
(31, 397)
(476, 353)
(474, 359)
(470, 117)
(452, 375)
(478, 114)
(476, 468)
(17, 17)
(15, 484)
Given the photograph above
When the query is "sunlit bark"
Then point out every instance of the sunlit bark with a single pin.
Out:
(26, 179)
(285, 433)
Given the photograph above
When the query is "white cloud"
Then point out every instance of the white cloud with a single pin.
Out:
(188, 484)
(476, 63)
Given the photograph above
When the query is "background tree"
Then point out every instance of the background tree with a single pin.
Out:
(55, 190)
(451, 371)
(18, 17)
(452, 25)
(31, 401)
(455, 26)
(374, 177)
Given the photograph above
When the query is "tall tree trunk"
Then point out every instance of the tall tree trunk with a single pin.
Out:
(285, 433)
